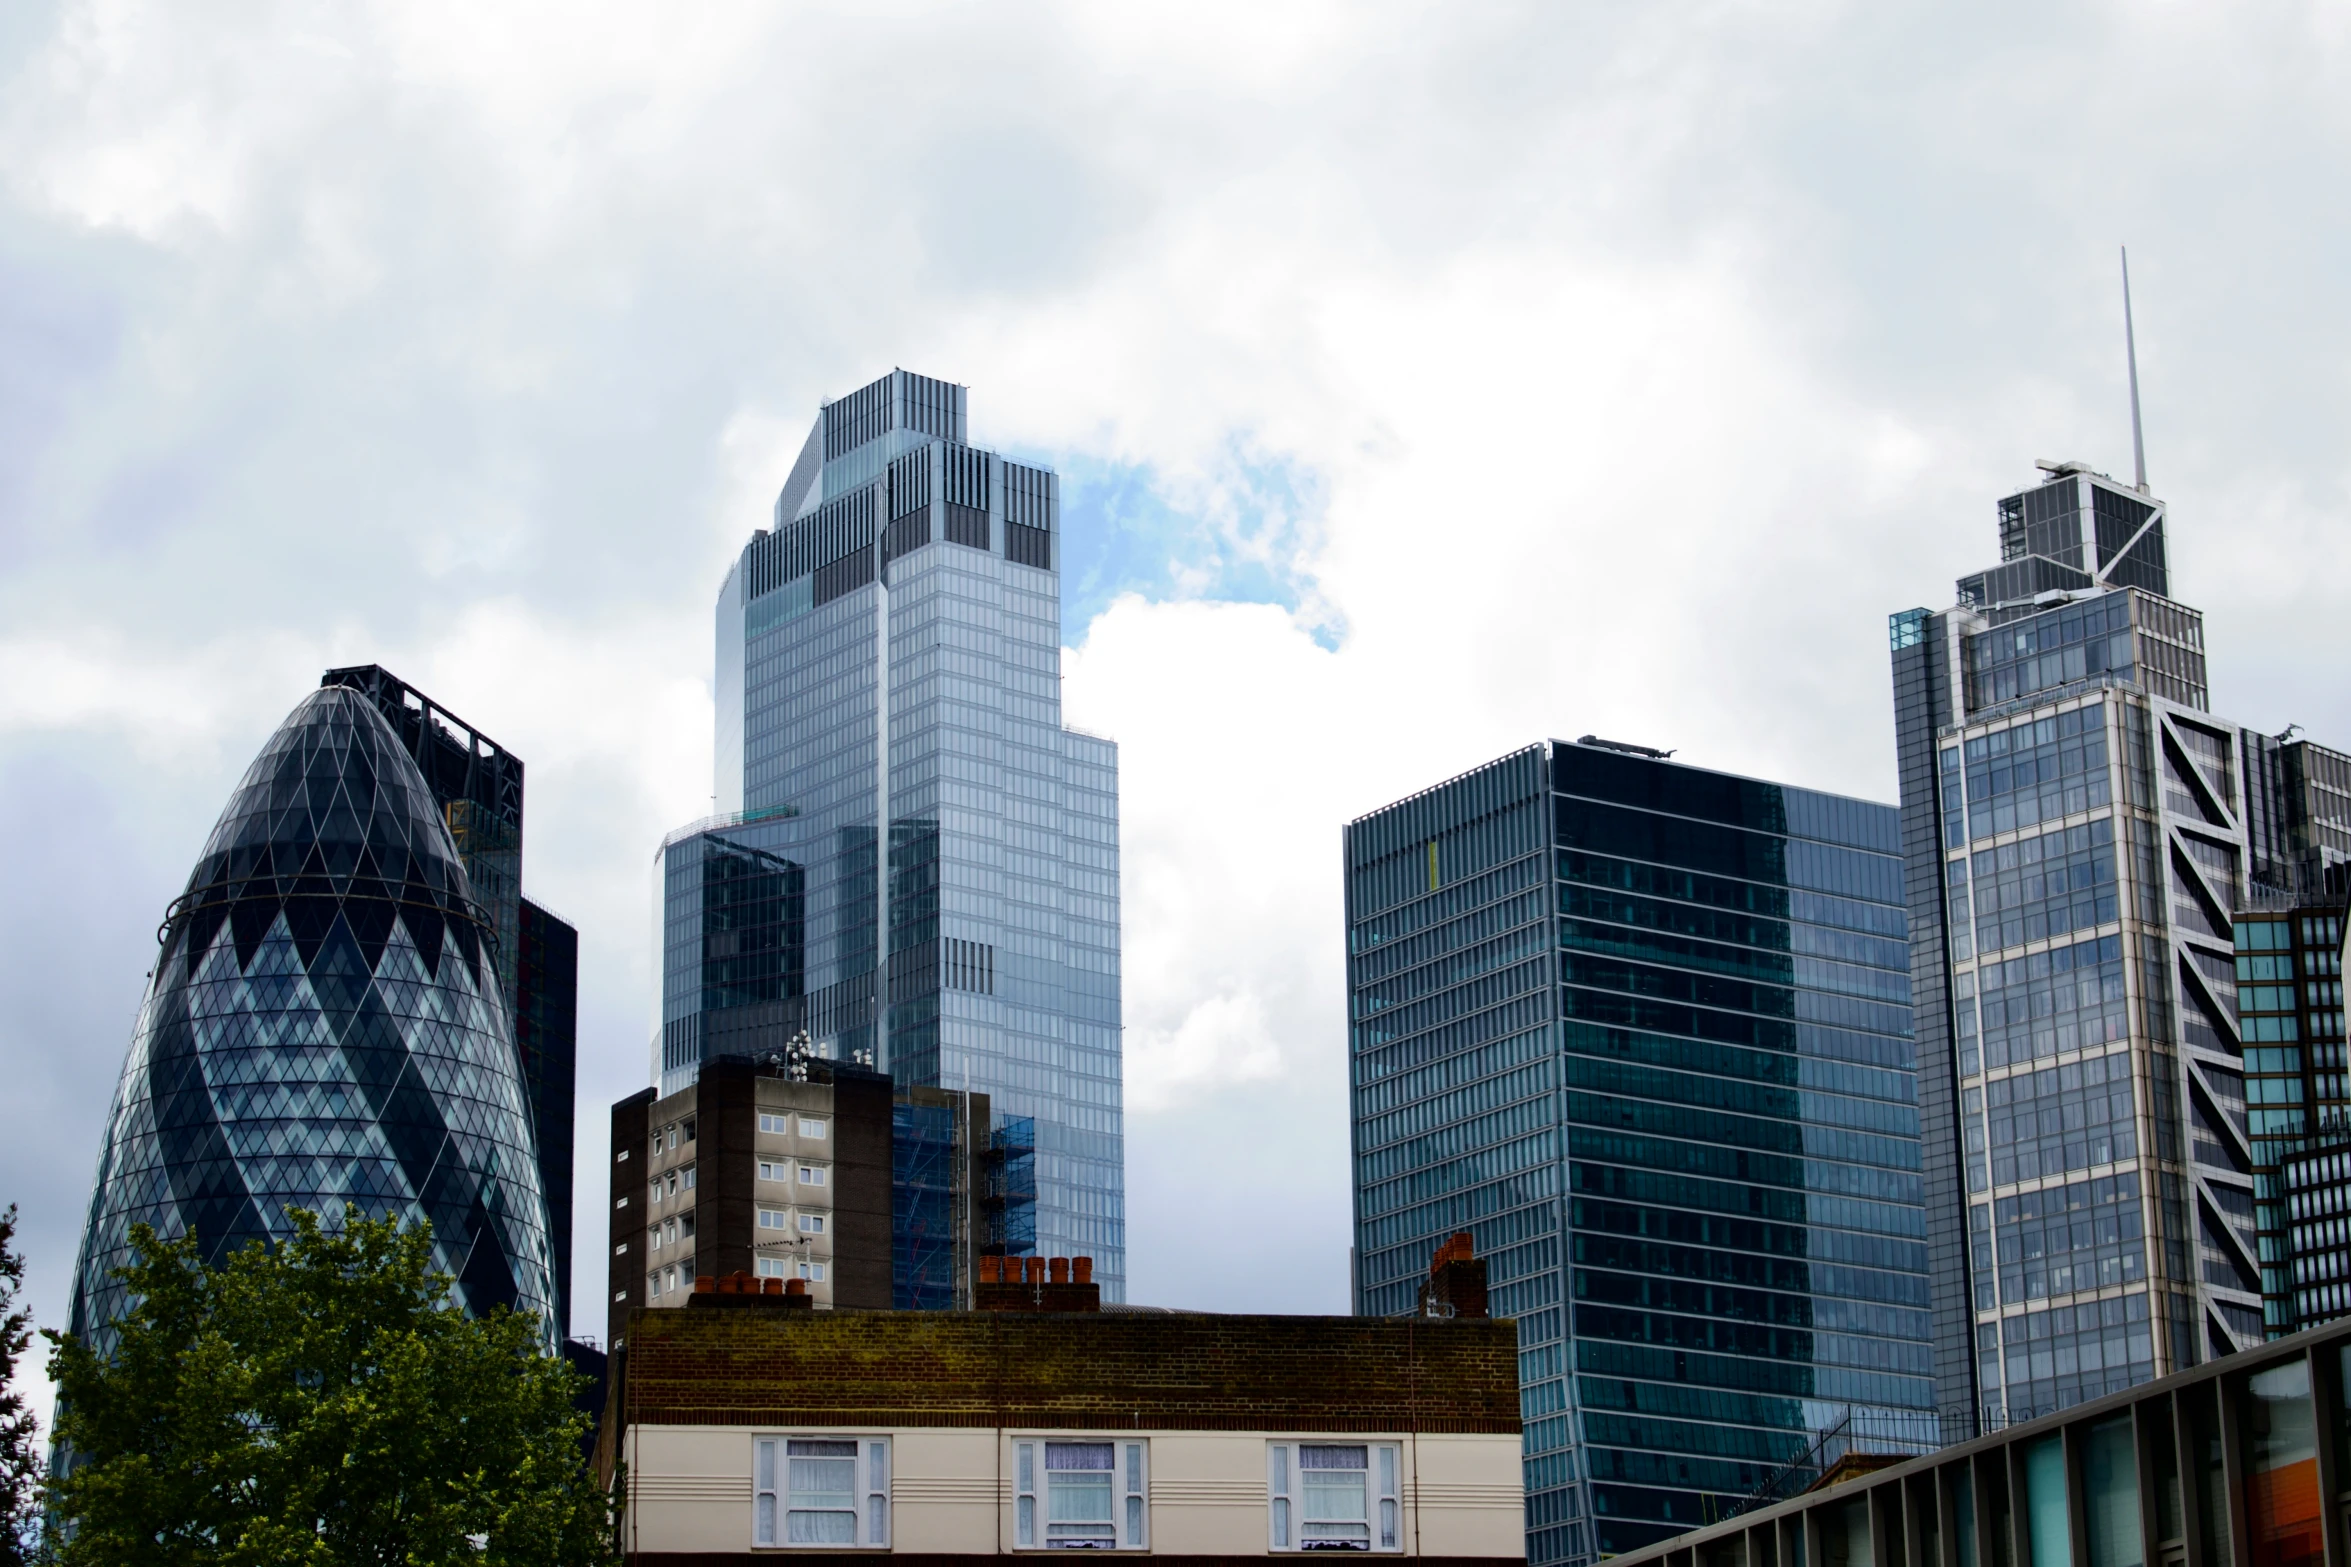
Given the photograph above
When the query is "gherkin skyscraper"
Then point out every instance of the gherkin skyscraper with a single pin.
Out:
(325, 1028)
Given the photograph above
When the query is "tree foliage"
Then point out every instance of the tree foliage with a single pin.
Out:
(20, 1452)
(319, 1402)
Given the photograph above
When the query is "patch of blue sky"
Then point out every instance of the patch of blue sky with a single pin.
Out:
(1240, 533)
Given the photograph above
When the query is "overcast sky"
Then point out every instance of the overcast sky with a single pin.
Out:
(1426, 381)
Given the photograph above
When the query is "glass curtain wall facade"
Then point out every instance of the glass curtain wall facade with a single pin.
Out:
(2244, 1463)
(1642, 1030)
(2081, 835)
(477, 786)
(325, 1028)
(944, 905)
(2289, 999)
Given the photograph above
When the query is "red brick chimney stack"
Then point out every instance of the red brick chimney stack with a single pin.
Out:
(1456, 1284)
(1036, 1284)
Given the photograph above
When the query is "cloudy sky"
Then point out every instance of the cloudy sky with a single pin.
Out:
(1426, 380)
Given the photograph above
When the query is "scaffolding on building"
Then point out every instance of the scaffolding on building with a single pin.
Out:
(1008, 1196)
(924, 1198)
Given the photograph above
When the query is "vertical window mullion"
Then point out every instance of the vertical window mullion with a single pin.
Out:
(1025, 1505)
(1136, 1507)
(763, 1483)
(877, 1493)
(1388, 1508)
(1277, 1490)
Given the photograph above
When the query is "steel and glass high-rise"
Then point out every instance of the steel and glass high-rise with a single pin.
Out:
(477, 787)
(1643, 1030)
(2084, 842)
(915, 860)
(326, 1028)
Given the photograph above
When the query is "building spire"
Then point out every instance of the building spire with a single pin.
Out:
(2130, 347)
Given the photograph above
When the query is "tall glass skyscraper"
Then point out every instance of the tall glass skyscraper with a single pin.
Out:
(477, 788)
(943, 905)
(1643, 1030)
(2082, 836)
(326, 1028)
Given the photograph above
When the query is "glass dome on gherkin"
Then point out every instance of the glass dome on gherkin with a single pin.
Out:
(325, 1030)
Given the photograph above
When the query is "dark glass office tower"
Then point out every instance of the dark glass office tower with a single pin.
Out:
(733, 942)
(477, 786)
(1643, 1031)
(546, 1042)
(325, 1029)
(2083, 838)
(916, 861)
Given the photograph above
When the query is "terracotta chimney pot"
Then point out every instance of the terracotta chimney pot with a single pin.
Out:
(1036, 1270)
(1081, 1270)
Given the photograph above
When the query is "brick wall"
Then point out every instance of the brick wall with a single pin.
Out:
(726, 1217)
(861, 1190)
(1144, 1369)
(625, 1291)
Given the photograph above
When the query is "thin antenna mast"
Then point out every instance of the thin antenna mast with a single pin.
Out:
(2130, 346)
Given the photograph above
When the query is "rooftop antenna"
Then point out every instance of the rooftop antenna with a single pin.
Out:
(2130, 346)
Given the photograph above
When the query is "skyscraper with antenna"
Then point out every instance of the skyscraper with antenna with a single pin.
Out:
(2080, 836)
(2130, 349)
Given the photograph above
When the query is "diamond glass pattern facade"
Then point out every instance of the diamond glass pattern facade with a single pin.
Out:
(1643, 1031)
(325, 1029)
(909, 588)
(477, 785)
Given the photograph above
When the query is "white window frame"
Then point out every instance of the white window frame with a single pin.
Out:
(812, 1128)
(771, 1494)
(775, 1125)
(812, 1224)
(774, 1219)
(773, 1170)
(1287, 1527)
(811, 1175)
(1130, 1492)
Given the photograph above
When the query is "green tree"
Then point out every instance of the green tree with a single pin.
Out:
(319, 1402)
(20, 1453)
